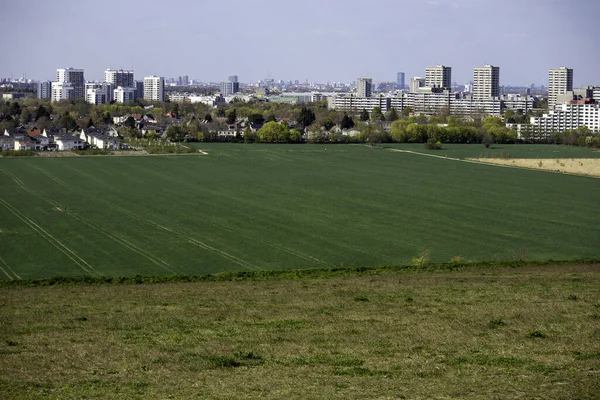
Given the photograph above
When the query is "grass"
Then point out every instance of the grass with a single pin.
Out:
(473, 333)
(502, 150)
(275, 207)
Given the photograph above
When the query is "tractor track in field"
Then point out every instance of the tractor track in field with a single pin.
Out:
(125, 243)
(84, 265)
(187, 238)
(10, 269)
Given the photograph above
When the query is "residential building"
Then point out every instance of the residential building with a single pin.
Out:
(400, 80)
(124, 94)
(44, 90)
(416, 83)
(154, 87)
(355, 104)
(62, 91)
(438, 77)
(95, 95)
(568, 116)
(364, 87)
(139, 90)
(119, 77)
(486, 82)
(230, 86)
(560, 81)
(75, 78)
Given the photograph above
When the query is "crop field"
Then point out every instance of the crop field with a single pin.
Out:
(254, 207)
(516, 333)
(548, 151)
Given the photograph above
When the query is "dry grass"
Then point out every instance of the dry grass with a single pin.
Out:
(529, 332)
(578, 166)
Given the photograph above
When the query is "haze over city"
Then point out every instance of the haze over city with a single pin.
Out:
(310, 40)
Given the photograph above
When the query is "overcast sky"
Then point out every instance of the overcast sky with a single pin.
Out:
(315, 40)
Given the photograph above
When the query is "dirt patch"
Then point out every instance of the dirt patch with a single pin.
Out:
(578, 166)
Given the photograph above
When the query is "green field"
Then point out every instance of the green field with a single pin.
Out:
(249, 207)
(516, 333)
(502, 150)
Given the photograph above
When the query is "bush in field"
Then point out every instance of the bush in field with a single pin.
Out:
(433, 144)
(422, 259)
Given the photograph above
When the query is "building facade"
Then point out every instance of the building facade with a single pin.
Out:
(560, 81)
(416, 83)
(364, 87)
(75, 78)
(568, 116)
(124, 94)
(44, 90)
(119, 77)
(154, 88)
(438, 77)
(230, 86)
(486, 82)
(400, 80)
(62, 91)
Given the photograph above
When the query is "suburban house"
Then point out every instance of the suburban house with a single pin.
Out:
(102, 139)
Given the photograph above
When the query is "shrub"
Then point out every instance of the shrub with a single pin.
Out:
(536, 334)
(432, 144)
(422, 259)
(18, 153)
(496, 323)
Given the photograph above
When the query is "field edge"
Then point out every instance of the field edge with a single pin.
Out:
(292, 274)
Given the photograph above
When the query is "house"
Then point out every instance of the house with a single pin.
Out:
(7, 142)
(42, 142)
(67, 141)
(156, 130)
(101, 138)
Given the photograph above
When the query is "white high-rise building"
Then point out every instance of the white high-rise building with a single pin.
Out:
(364, 87)
(62, 91)
(75, 78)
(124, 94)
(438, 77)
(119, 77)
(416, 83)
(560, 81)
(486, 82)
(154, 88)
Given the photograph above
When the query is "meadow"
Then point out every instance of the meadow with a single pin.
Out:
(264, 207)
(514, 333)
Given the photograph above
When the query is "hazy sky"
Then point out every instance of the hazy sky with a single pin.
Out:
(318, 40)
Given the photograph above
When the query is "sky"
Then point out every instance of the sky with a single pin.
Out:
(314, 40)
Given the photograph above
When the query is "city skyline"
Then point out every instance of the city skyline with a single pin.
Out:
(333, 42)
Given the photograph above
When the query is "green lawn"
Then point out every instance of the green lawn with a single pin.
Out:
(246, 207)
(502, 150)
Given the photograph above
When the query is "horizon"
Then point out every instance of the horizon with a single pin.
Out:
(339, 43)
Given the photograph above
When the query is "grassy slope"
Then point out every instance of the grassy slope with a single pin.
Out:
(503, 150)
(246, 207)
(515, 333)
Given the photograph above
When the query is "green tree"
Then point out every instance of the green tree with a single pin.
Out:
(231, 117)
(208, 118)
(256, 118)
(306, 117)
(67, 122)
(364, 115)
(274, 132)
(347, 122)
(129, 122)
(89, 123)
(406, 111)
(377, 115)
(26, 116)
(15, 110)
(372, 134)
(41, 112)
(392, 115)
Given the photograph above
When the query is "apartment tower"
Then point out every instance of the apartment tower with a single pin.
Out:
(364, 87)
(560, 81)
(154, 88)
(486, 82)
(438, 77)
(73, 77)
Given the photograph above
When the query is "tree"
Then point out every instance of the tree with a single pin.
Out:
(256, 119)
(89, 123)
(274, 132)
(41, 112)
(67, 122)
(231, 117)
(306, 117)
(25, 116)
(176, 133)
(327, 123)
(208, 118)
(406, 111)
(347, 122)
(15, 110)
(392, 115)
(129, 122)
(372, 134)
(377, 115)
(364, 115)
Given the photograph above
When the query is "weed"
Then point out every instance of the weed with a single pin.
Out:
(573, 297)
(496, 323)
(409, 299)
(578, 355)
(11, 343)
(536, 334)
(521, 254)
(422, 259)
(457, 260)
(224, 362)
(361, 298)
